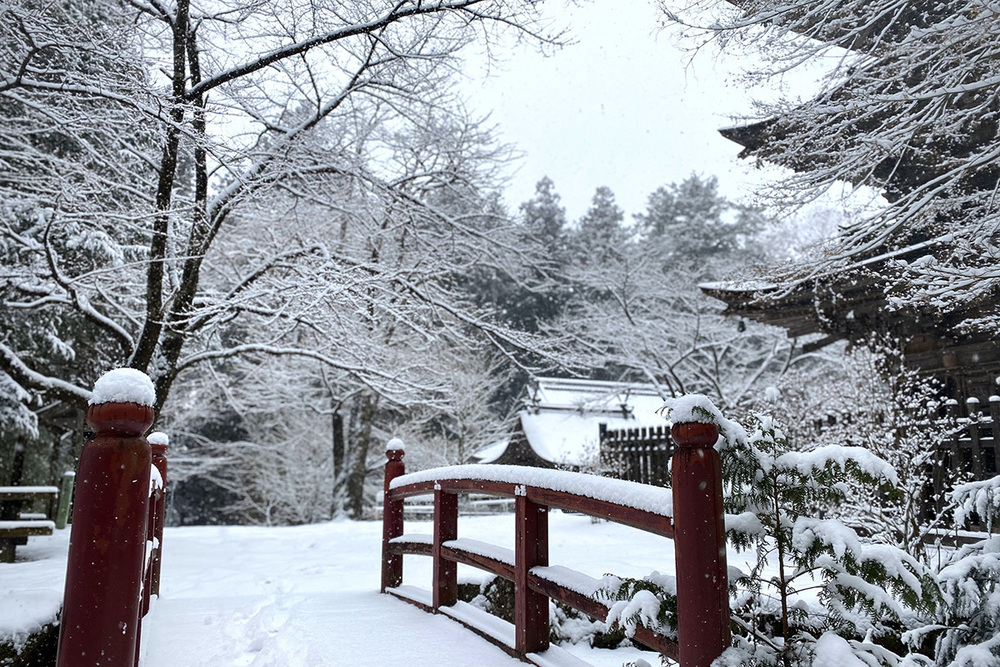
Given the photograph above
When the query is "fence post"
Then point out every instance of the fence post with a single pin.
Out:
(531, 548)
(107, 544)
(65, 498)
(158, 442)
(699, 545)
(995, 431)
(392, 516)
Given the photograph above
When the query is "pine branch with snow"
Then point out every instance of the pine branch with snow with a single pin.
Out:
(867, 593)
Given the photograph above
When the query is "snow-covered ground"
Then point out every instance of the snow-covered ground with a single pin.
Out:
(308, 595)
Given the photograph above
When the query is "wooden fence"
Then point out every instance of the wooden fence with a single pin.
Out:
(637, 454)
(970, 450)
(117, 534)
(690, 512)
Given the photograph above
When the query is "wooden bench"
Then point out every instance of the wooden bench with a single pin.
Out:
(16, 526)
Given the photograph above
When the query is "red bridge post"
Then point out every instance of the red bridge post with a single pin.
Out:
(699, 545)
(392, 516)
(445, 572)
(100, 616)
(531, 548)
(158, 442)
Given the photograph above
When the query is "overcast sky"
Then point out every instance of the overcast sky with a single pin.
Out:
(621, 107)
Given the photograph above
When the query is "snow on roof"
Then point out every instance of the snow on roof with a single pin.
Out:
(563, 416)
(124, 385)
(491, 453)
(571, 438)
(593, 396)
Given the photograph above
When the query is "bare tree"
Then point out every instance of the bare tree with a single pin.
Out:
(193, 181)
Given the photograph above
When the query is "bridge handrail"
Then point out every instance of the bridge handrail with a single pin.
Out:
(698, 530)
(638, 505)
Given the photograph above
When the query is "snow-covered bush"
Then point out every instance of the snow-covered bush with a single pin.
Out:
(812, 575)
(868, 397)
(967, 629)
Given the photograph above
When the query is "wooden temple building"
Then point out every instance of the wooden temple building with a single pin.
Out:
(954, 342)
(856, 300)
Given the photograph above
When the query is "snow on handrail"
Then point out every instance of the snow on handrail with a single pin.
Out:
(643, 497)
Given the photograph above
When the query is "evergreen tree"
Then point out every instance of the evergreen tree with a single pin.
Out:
(782, 506)
(600, 230)
(692, 222)
(535, 293)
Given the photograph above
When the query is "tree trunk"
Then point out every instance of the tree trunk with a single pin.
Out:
(338, 458)
(357, 456)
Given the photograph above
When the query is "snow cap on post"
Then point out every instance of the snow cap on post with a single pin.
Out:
(158, 438)
(690, 409)
(699, 409)
(395, 445)
(124, 385)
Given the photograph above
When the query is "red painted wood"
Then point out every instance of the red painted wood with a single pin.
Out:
(648, 521)
(700, 546)
(160, 499)
(416, 548)
(100, 616)
(597, 610)
(497, 567)
(578, 601)
(531, 548)
(392, 521)
(629, 516)
(698, 526)
(147, 575)
(445, 584)
(504, 489)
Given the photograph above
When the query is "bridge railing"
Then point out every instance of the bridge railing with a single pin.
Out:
(113, 566)
(690, 512)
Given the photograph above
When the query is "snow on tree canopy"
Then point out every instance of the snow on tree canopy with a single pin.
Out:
(834, 651)
(124, 385)
(158, 438)
(395, 444)
(839, 455)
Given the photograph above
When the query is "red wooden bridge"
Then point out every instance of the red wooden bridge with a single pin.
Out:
(113, 565)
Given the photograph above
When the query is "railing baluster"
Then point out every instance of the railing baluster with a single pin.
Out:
(158, 444)
(65, 498)
(972, 407)
(995, 432)
(392, 516)
(531, 548)
(445, 529)
(108, 539)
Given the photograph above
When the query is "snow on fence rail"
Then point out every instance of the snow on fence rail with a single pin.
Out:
(690, 512)
(117, 532)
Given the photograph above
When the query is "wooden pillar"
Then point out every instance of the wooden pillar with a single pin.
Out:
(107, 544)
(65, 499)
(975, 416)
(531, 548)
(445, 529)
(392, 516)
(158, 442)
(995, 432)
(699, 545)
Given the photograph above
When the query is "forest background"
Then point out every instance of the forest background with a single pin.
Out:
(288, 218)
